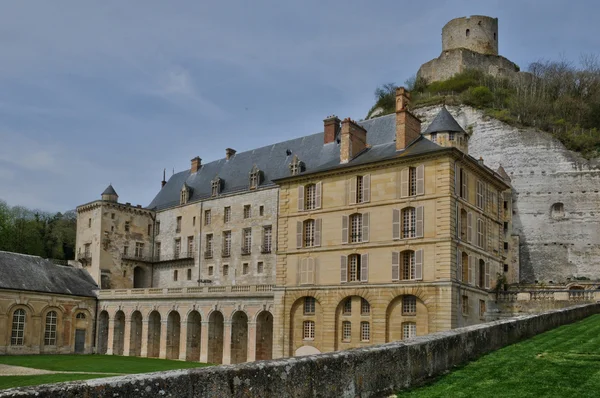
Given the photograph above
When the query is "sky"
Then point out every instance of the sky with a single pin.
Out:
(93, 93)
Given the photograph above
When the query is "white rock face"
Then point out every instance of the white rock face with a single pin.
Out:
(543, 172)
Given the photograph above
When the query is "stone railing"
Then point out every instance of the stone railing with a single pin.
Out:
(261, 290)
(550, 295)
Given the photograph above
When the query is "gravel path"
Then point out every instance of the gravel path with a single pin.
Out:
(9, 370)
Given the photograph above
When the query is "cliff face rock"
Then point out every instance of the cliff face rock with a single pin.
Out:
(556, 195)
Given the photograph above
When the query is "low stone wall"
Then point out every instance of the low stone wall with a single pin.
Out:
(366, 372)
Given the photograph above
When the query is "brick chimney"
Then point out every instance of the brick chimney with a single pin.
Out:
(196, 164)
(332, 126)
(229, 153)
(354, 140)
(408, 126)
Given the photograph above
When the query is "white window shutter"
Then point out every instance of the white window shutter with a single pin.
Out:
(298, 273)
(471, 280)
(316, 271)
(352, 190)
(365, 227)
(344, 269)
(318, 196)
(344, 229)
(395, 223)
(364, 267)
(303, 271)
(466, 185)
(458, 225)
(421, 179)
(366, 188)
(298, 234)
(458, 264)
(310, 270)
(318, 234)
(419, 223)
(395, 266)
(456, 179)
(469, 227)
(419, 264)
(487, 274)
(404, 182)
(301, 198)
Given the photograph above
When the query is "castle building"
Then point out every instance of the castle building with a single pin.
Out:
(365, 233)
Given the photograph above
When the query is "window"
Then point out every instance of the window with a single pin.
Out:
(177, 248)
(347, 310)
(558, 211)
(463, 184)
(211, 270)
(480, 191)
(246, 240)
(306, 271)
(189, 274)
(260, 267)
(112, 216)
(208, 251)
(346, 331)
(190, 246)
(267, 237)
(310, 197)
(481, 308)
(365, 331)
(18, 328)
(463, 224)
(80, 315)
(409, 222)
(226, 270)
(482, 275)
(157, 230)
(89, 222)
(309, 330)
(125, 250)
(354, 268)
(157, 251)
(434, 137)
(112, 228)
(261, 210)
(408, 265)
(451, 136)
(356, 226)
(465, 267)
(245, 268)
(309, 305)
(227, 214)
(247, 211)
(254, 177)
(309, 233)
(465, 305)
(50, 331)
(126, 226)
(175, 275)
(226, 244)
(296, 166)
(359, 189)
(184, 194)
(207, 217)
(178, 225)
(139, 249)
(409, 305)
(365, 307)
(505, 267)
(480, 232)
(409, 330)
(215, 186)
(194, 221)
(86, 250)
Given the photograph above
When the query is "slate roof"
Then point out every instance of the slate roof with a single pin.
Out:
(32, 273)
(109, 191)
(444, 121)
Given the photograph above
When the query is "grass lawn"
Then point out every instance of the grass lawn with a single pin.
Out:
(564, 362)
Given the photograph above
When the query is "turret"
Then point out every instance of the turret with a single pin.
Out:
(109, 194)
(444, 130)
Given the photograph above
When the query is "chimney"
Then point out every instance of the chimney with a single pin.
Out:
(408, 126)
(480, 161)
(332, 126)
(164, 181)
(229, 153)
(354, 140)
(196, 164)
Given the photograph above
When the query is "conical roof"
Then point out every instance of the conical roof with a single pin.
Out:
(109, 190)
(503, 173)
(444, 122)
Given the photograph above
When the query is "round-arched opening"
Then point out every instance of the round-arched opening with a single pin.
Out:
(557, 211)
(468, 32)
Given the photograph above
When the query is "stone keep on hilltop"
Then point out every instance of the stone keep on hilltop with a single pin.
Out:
(468, 43)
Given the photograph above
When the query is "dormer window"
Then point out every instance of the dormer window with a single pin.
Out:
(185, 194)
(255, 177)
(433, 137)
(216, 186)
(297, 166)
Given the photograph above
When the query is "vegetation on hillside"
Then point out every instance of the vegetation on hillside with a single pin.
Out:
(554, 96)
(37, 233)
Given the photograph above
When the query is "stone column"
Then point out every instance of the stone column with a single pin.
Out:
(126, 336)
(281, 324)
(204, 341)
(144, 337)
(182, 341)
(163, 340)
(111, 335)
(226, 342)
(251, 342)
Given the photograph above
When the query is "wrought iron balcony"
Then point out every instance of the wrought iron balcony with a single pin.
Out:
(226, 253)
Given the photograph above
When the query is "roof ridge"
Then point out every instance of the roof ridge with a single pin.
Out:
(22, 254)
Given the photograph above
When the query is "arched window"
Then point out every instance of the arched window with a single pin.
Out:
(409, 221)
(409, 330)
(409, 305)
(308, 233)
(468, 33)
(558, 211)
(50, 330)
(407, 262)
(81, 315)
(18, 328)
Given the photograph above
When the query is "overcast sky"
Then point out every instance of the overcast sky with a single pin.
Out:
(115, 91)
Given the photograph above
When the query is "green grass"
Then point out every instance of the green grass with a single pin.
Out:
(564, 362)
(23, 381)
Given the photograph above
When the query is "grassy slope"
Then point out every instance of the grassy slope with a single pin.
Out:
(564, 362)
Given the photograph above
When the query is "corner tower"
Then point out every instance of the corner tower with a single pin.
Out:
(477, 33)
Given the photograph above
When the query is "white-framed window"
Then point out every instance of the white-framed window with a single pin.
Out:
(309, 233)
(310, 192)
(365, 331)
(50, 329)
(409, 330)
(409, 305)
(267, 238)
(207, 217)
(309, 305)
(227, 214)
(246, 240)
(412, 181)
(309, 330)
(365, 307)
(354, 268)
(409, 223)
(347, 309)
(346, 331)
(18, 327)
(408, 265)
(356, 226)
(226, 244)
(247, 211)
(359, 189)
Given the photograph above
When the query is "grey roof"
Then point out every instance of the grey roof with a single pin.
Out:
(443, 121)
(109, 190)
(32, 273)
(273, 161)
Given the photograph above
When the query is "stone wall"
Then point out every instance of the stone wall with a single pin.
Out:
(364, 372)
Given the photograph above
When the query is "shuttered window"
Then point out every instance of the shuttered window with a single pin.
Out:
(412, 181)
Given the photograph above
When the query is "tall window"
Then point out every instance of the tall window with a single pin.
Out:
(409, 305)
(185, 195)
(208, 251)
(216, 186)
(175, 275)
(50, 331)
(464, 184)
(365, 307)
(412, 181)
(246, 241)
(139, 249)
(480, 194)
(126, 226)
(346, 331)
(18, 328)
(207, 217)
(408, 265)
(409, 330)
(480, 232)
(267, 237)
(310, 192)
(149, 229)
(177, 249)
(481, 308)
(309, 330)
(227, 214)
(125, 250)
(365, 331)
(226, 270)
(347, 309)
(190, 245)
(260, 267)
(409, 222)
(189, 274)
(356, 225)
(354, 268)
(254, 177)
(157, 250)
(178, 225)
(309, 305)
(465, 267)
(247, 211)
(465, 305)
(309, 233)
(481, 274)
(359, 189)
(463, 224)
(157, 230)
(226, 243)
